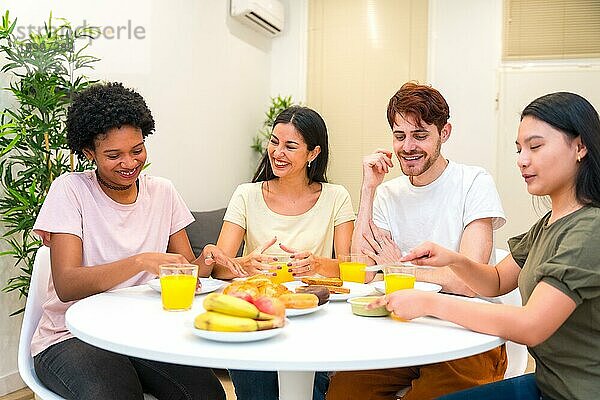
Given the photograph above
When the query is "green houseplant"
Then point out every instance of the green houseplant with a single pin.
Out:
(278, 104)
(44, 71)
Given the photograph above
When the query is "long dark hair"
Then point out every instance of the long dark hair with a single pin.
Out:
(311, 126)
(575, 117)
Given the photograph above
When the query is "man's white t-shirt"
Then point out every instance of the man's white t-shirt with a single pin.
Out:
(440, 211)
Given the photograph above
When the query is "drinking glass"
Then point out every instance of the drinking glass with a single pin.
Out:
(399, 277)
(281, 275)
(178, 286)
(352, 268)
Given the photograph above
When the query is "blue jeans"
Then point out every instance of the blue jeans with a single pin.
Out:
(76, 370)
(264, 385)
(521, 387)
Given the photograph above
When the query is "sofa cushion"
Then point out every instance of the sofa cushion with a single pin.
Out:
(205, 229)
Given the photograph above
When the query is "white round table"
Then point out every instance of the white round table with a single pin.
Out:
(131, 321)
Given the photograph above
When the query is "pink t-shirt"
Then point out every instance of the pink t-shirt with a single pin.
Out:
(109, 231)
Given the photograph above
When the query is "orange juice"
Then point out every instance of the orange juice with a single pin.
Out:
(398, 281)
(352, 271)
(281, 275)
(177, 291)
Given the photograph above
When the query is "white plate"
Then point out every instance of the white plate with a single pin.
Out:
(237, 337)
(208, 285)
(356, 290)
(424, 286)
(294, 312)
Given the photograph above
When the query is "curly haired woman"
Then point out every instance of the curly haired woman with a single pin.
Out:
(111, 228)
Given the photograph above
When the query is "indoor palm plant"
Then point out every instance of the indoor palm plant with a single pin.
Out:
(43, 71)
(278, 104)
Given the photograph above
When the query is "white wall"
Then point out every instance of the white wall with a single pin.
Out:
(289, 53)
(486, 96)
(464, 54)
(207, 80)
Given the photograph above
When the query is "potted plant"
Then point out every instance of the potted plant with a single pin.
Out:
(278, 104)
(44, 71)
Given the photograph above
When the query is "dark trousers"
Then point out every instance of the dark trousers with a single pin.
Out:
(264, 385)
(79, 371)
(520, 387)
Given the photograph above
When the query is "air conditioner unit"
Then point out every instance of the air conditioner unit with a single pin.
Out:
(265, 16)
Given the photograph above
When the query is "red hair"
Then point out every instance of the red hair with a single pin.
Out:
(422, 102)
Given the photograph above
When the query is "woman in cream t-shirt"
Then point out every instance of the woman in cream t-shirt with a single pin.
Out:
(289, 206)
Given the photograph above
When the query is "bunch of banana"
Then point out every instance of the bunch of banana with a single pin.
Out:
(227, 313)
(214, 321)
(231, 305)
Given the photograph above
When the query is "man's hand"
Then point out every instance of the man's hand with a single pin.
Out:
(383, 250)
(375, 166)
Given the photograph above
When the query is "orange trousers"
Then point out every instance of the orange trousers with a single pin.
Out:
(423, 382)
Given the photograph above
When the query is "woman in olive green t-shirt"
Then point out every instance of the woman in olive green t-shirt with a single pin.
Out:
(555, 264)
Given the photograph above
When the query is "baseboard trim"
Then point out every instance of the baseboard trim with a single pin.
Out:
(11, 383)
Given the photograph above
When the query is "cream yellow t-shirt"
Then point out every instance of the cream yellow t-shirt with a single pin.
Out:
(311, 231)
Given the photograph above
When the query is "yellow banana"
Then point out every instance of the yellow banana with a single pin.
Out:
(214, 321)
(231, 305)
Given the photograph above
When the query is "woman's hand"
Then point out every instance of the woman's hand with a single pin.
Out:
(405, 304)
(431, 254)
(383, 249)
(257, 262)
(305, 262)
(150, 262)
(214, 255)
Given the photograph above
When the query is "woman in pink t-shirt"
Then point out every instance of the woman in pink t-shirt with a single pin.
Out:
(111, 228)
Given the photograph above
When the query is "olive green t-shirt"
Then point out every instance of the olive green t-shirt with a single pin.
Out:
(566, 255)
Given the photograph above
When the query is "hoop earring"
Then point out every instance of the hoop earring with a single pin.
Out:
(309, 164)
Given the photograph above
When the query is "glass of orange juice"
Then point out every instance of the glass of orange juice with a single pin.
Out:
(178, 286)
(398, 277)
(352, 268)
(281, 275)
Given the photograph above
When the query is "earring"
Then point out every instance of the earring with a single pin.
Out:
(578, 158)
(309, 163)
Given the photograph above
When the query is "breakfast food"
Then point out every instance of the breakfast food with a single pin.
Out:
(214, 321)
(359, 307)
(258, 285)
(225, 313)
(299, 300)
(231, 305)
(337, 289)
(323, 281)
(318, 290)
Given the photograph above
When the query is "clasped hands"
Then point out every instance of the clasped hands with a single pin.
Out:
(381, 248)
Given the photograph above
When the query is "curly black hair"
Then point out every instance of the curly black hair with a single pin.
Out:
(102, 107)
